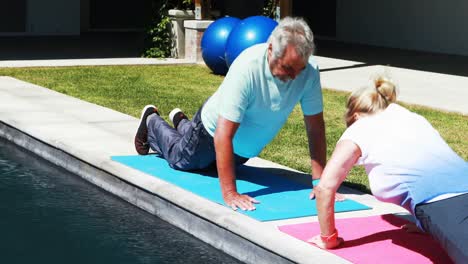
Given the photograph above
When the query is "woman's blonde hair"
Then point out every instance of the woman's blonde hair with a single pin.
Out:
(376, 96)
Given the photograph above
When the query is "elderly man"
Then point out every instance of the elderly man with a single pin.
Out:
(259, 92)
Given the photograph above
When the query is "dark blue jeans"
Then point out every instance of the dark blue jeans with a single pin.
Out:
(190, 147)
(447, 221)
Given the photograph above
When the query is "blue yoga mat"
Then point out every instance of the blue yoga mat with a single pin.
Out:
(279, 197)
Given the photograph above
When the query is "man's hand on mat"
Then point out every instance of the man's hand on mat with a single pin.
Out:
(338, 196)
(236, 200)
(411, 228)
(319, 242)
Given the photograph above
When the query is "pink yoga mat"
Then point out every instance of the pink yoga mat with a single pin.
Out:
(376, 239)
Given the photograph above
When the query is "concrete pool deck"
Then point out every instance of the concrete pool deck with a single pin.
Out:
(81, 137)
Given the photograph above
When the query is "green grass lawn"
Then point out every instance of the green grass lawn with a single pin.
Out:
(128, 88)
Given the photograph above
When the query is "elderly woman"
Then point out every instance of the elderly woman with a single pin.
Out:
(408, 164)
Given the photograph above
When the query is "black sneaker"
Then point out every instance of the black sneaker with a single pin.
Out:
(176, 115)
(141, 137)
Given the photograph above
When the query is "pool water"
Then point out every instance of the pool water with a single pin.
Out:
(48, 215)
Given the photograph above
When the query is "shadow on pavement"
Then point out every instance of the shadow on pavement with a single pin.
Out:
(371, 55)
(131, 44)
(87, 45)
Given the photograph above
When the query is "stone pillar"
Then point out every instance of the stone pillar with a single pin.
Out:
(194, 30)
(177, 18)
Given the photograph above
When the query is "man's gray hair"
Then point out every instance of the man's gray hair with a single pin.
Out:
(295, 31)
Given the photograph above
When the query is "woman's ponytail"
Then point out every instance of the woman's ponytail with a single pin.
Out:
(380, 92)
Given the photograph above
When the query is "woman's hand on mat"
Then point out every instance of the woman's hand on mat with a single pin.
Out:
(236, 200)
(338, 196)
(411, 228)
(326, 244)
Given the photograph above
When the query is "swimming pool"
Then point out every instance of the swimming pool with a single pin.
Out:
(49, 215)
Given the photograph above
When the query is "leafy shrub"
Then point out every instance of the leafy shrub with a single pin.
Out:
(158, 35)
(269, 8)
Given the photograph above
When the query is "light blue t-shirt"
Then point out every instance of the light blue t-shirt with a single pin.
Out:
(261, 103)
(407, 161)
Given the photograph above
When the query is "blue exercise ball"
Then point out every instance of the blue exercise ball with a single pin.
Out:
(248, 32)
(214, 41)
